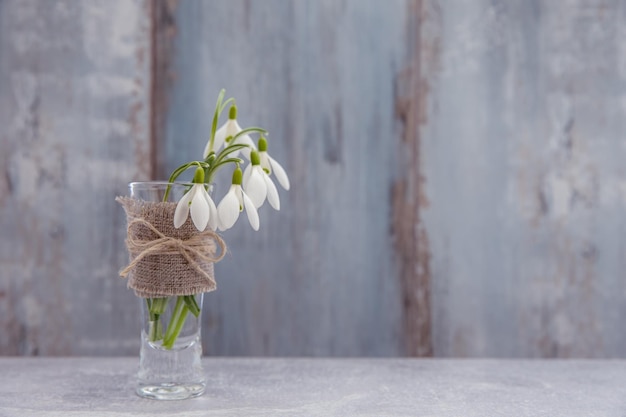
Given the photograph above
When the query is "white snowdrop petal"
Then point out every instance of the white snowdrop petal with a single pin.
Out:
(272, 192)
(256, 187)
(253, 216)
(228, 210)
(239, 194)
(199, 209)
(182, 209)
(232, 128)
(246, 175)
(280, 173)
(213, 218)
(265, 162)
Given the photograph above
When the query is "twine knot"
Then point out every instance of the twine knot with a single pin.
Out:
(199, 249)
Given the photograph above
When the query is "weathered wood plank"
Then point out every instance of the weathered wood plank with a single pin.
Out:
(523, 154)
(456, 170)
(74, 89)
(320, 277)
(408, 192)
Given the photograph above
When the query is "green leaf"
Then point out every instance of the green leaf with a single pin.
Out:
(250, 130)
(216, 116)
(227, 161)
(175, 175)
(228, 150)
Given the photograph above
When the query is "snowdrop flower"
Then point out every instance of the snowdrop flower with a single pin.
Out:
(270, 165)
(199, 203)
(228, 131)
(234, 202)
(258, 184)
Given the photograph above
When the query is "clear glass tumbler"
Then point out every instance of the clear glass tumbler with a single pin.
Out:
(170, 366)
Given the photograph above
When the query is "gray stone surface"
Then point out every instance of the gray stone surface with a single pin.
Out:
(323, 387)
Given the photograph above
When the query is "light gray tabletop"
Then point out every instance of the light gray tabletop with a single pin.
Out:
(323, 387)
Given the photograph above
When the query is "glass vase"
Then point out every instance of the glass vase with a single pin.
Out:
(170, 371)
(170, 366)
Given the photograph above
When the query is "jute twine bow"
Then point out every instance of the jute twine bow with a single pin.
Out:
(192, 249)
(166, 261)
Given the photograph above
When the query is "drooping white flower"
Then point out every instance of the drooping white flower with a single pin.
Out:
(234, 202)
(230, 130)
(199, 203)
(258, 184)
(270, 165)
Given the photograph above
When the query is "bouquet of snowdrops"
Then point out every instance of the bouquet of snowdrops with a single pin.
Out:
(252, 184)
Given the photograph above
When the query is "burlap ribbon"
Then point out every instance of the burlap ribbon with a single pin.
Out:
(165, 261)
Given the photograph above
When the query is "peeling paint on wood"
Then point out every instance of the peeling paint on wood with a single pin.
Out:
(408, 191)
(162, 77)
(524, 158)
(457, 171)
(319, 277)
(74, 113)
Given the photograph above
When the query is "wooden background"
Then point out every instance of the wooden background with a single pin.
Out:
(457, 169)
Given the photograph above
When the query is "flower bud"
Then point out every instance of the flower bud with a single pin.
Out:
(198, 177)
(255, 158)
(237, 176)
(232, 113)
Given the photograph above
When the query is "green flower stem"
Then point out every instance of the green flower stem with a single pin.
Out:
(177, 321)
(226, 103)
(180, 170)
(192, 305)
(177, 309)
(169, 343)
(156, 307)
(228, 150)
(155, 330)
